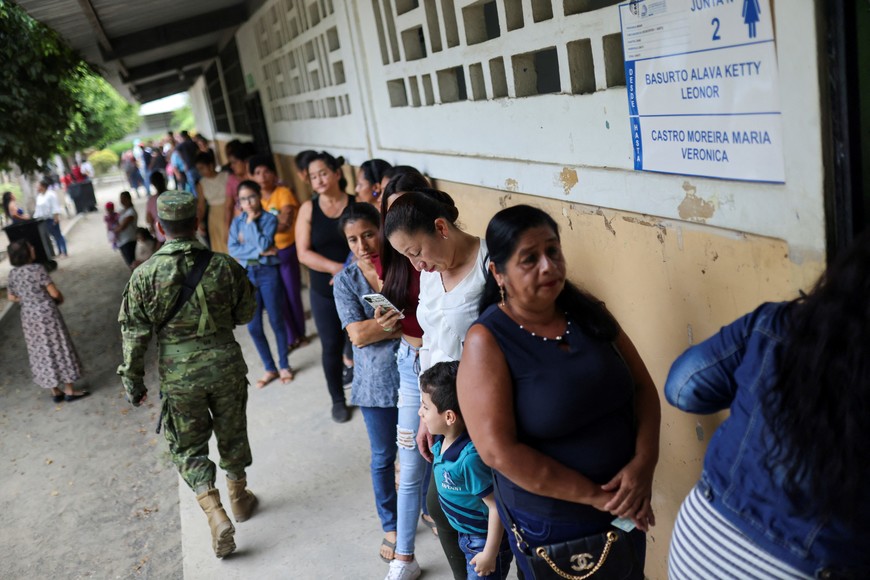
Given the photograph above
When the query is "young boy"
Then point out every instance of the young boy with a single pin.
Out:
(464, 482)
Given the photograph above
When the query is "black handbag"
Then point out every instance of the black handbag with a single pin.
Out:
(605, 556)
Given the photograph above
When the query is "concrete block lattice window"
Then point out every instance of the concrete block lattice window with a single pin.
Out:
(449, 51)
(303, 60)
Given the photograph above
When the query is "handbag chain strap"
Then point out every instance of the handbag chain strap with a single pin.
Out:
(542, 552)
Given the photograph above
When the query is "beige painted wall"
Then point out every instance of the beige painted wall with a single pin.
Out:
(669, 284)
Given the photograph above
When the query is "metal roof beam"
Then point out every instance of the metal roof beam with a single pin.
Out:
(169, 66)
(184, 80)
(94, 20)
(178, 30)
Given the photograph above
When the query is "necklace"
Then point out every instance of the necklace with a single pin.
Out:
(558, 338)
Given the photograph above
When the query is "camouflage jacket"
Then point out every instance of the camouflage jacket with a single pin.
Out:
(223, 300)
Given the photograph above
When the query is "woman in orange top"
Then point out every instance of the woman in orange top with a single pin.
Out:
(280, 201)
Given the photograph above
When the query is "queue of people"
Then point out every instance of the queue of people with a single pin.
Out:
(523, 419)
(554, 399)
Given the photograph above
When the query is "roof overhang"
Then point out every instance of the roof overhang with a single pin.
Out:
(149, 49)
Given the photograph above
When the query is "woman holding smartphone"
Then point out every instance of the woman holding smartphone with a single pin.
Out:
(375, 387)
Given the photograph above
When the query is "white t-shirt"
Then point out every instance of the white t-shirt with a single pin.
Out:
(46, 205)
(87, 169)
(128, 234)
(445, 317)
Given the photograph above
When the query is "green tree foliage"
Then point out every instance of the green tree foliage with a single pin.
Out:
(36, 80)
(103, 115)
(50, 100)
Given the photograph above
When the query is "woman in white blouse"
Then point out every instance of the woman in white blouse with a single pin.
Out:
(421, 225)
(47, 207)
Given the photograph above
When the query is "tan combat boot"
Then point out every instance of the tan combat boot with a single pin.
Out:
(222, 529)
(242, 500)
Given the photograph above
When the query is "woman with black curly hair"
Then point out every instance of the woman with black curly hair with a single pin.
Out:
(781, 494)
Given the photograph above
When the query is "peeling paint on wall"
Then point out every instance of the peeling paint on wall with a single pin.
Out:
(503, 200)
(607, 222)
(694, 208)
(568, 178)
(511, 184)
(567, 216)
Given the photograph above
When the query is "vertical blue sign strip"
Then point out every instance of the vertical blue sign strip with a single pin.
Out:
(631, 85)
(637, 142)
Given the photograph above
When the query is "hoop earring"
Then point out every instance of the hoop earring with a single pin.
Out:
(501, 291)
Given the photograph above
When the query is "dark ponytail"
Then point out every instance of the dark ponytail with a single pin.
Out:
(334, 164)
(502, 236)
(374, 170)
(397, 270)
(303, 158)
(416, 211)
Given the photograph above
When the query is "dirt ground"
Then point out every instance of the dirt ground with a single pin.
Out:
(86, 489)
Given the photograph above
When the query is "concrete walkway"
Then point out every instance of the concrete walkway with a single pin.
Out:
(316, 520)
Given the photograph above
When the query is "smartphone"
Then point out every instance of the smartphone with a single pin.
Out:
(380, 300)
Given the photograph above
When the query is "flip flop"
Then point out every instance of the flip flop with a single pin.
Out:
(429, 524)
(58, 398)
(286, 375)
(82, 395)
(391, 546)
(268, 378)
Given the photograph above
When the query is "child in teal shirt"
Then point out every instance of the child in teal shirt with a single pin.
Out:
(463, 481)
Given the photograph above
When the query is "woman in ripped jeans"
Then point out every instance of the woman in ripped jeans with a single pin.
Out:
(402, 287)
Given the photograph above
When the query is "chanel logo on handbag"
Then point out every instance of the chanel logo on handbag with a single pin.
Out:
(580, 562)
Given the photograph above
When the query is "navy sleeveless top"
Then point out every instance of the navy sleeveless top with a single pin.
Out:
(574, 401)
(328, 241)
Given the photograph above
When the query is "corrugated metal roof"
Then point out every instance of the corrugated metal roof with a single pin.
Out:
(146, 49)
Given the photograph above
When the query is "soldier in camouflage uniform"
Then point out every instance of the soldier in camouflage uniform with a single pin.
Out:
(202, 372)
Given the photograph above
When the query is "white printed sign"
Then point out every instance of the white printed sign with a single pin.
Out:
(703, 89)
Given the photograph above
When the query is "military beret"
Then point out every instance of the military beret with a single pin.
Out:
(176, 205)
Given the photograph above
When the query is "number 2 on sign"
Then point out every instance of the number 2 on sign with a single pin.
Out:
(715, 23)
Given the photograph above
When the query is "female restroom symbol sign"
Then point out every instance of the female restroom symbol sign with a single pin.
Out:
(751, 15)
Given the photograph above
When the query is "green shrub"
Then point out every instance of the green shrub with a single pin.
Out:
(103, 160)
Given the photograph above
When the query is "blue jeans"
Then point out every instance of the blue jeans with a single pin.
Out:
(192, 177)
(539, 531)
(270, 295)
(54, 232)
(473, 544)
(414, 471)
(379, 424)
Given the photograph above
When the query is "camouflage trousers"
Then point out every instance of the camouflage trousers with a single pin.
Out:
(191, 413)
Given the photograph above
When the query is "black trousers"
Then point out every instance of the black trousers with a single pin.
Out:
(331, 341)
(447, 535)
(128, 252)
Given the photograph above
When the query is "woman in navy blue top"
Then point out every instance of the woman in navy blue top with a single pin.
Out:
(555, 396)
